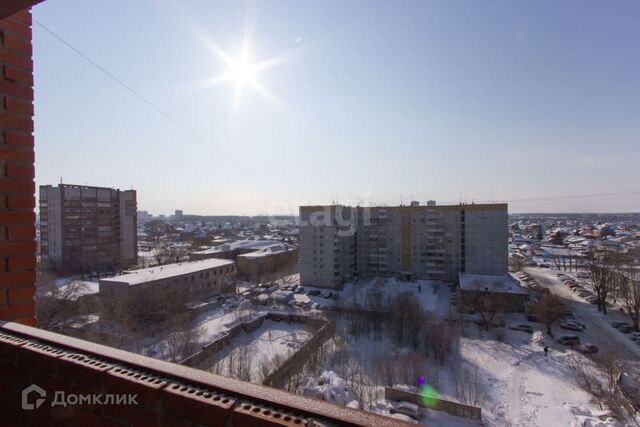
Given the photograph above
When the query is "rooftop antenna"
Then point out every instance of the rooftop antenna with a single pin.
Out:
(401, 200)
(61, 180)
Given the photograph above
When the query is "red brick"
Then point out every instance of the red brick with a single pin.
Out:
(13, 42)
(16, 218)
(18, 75)
(17, 153)
(15, 59)
(23, 16)
(17, 279)
(17, 186)
(21, 295)
(16, 89)
(29, 321)
(21, 263)
(21, 202)
(16, 122)
(15, 105)
(15, 248)
(20, 28)
(17, 170)
(15, 138)
(12, 312)
(16, 233)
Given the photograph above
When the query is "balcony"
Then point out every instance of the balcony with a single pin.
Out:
(165, 393)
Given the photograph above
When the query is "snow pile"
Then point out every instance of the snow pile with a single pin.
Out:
(591, 418)
(331, 388)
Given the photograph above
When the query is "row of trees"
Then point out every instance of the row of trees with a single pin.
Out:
(614, 276)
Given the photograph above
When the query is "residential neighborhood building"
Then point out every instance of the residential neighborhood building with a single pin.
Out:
(417, 241)
(85, 229)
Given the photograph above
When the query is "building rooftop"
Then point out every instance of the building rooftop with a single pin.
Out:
(247, 244)
(269, 250)
(499, 283)
(144, 275)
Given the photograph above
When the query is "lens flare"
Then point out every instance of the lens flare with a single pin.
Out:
(430, 395)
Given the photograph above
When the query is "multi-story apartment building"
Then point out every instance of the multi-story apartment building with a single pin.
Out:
(85, 229)
(429, 242)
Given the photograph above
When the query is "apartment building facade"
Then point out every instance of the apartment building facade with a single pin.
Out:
(425, 242)
(84, 229)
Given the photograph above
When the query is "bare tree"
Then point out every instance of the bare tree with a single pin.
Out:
(549, 309)
(601, 272)
(630, 292)
(183, 338)
(516, 263)
(468, 388)
(54, 304)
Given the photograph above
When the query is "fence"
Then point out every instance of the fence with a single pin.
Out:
(453, 408)
(212, 348)
(295, 363)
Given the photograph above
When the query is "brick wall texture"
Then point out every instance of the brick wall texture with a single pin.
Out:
(17, 187)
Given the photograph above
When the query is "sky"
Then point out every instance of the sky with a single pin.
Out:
(356, 102)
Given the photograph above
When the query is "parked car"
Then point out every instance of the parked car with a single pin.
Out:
(532, 318)
(625, 329)
(616, 324)
(569, 340)
(572, 326)
(588, 349)
(521, 327)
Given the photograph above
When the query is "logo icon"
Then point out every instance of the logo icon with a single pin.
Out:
(33, 388)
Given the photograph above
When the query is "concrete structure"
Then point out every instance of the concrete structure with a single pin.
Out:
(428, 242)
(264, 263)
(503, 290)
(207, 277)
(86, 229)
(256, 259)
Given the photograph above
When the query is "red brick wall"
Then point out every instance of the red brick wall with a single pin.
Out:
(17, 187)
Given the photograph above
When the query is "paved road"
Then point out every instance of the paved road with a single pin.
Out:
(599, 330)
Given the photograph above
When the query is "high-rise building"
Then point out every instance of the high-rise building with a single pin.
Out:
(84, 229)
(426, 242)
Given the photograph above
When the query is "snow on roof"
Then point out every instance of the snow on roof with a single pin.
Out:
(246, 244)
(269, 250)
(500, 283)
(136, 277)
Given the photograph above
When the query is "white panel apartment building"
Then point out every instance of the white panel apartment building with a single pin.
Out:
(429, 242)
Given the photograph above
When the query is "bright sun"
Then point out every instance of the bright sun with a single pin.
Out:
(242, 72)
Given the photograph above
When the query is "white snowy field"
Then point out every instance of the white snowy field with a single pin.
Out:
(262, 350)
(517, 384)
(523, 387)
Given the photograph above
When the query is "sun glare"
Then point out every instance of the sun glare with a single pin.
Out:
(242, 72)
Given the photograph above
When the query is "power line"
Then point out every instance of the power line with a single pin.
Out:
(148, 102)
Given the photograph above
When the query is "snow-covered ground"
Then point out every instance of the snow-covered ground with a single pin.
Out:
(433, 295)
(264, 349)
(523, 387)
